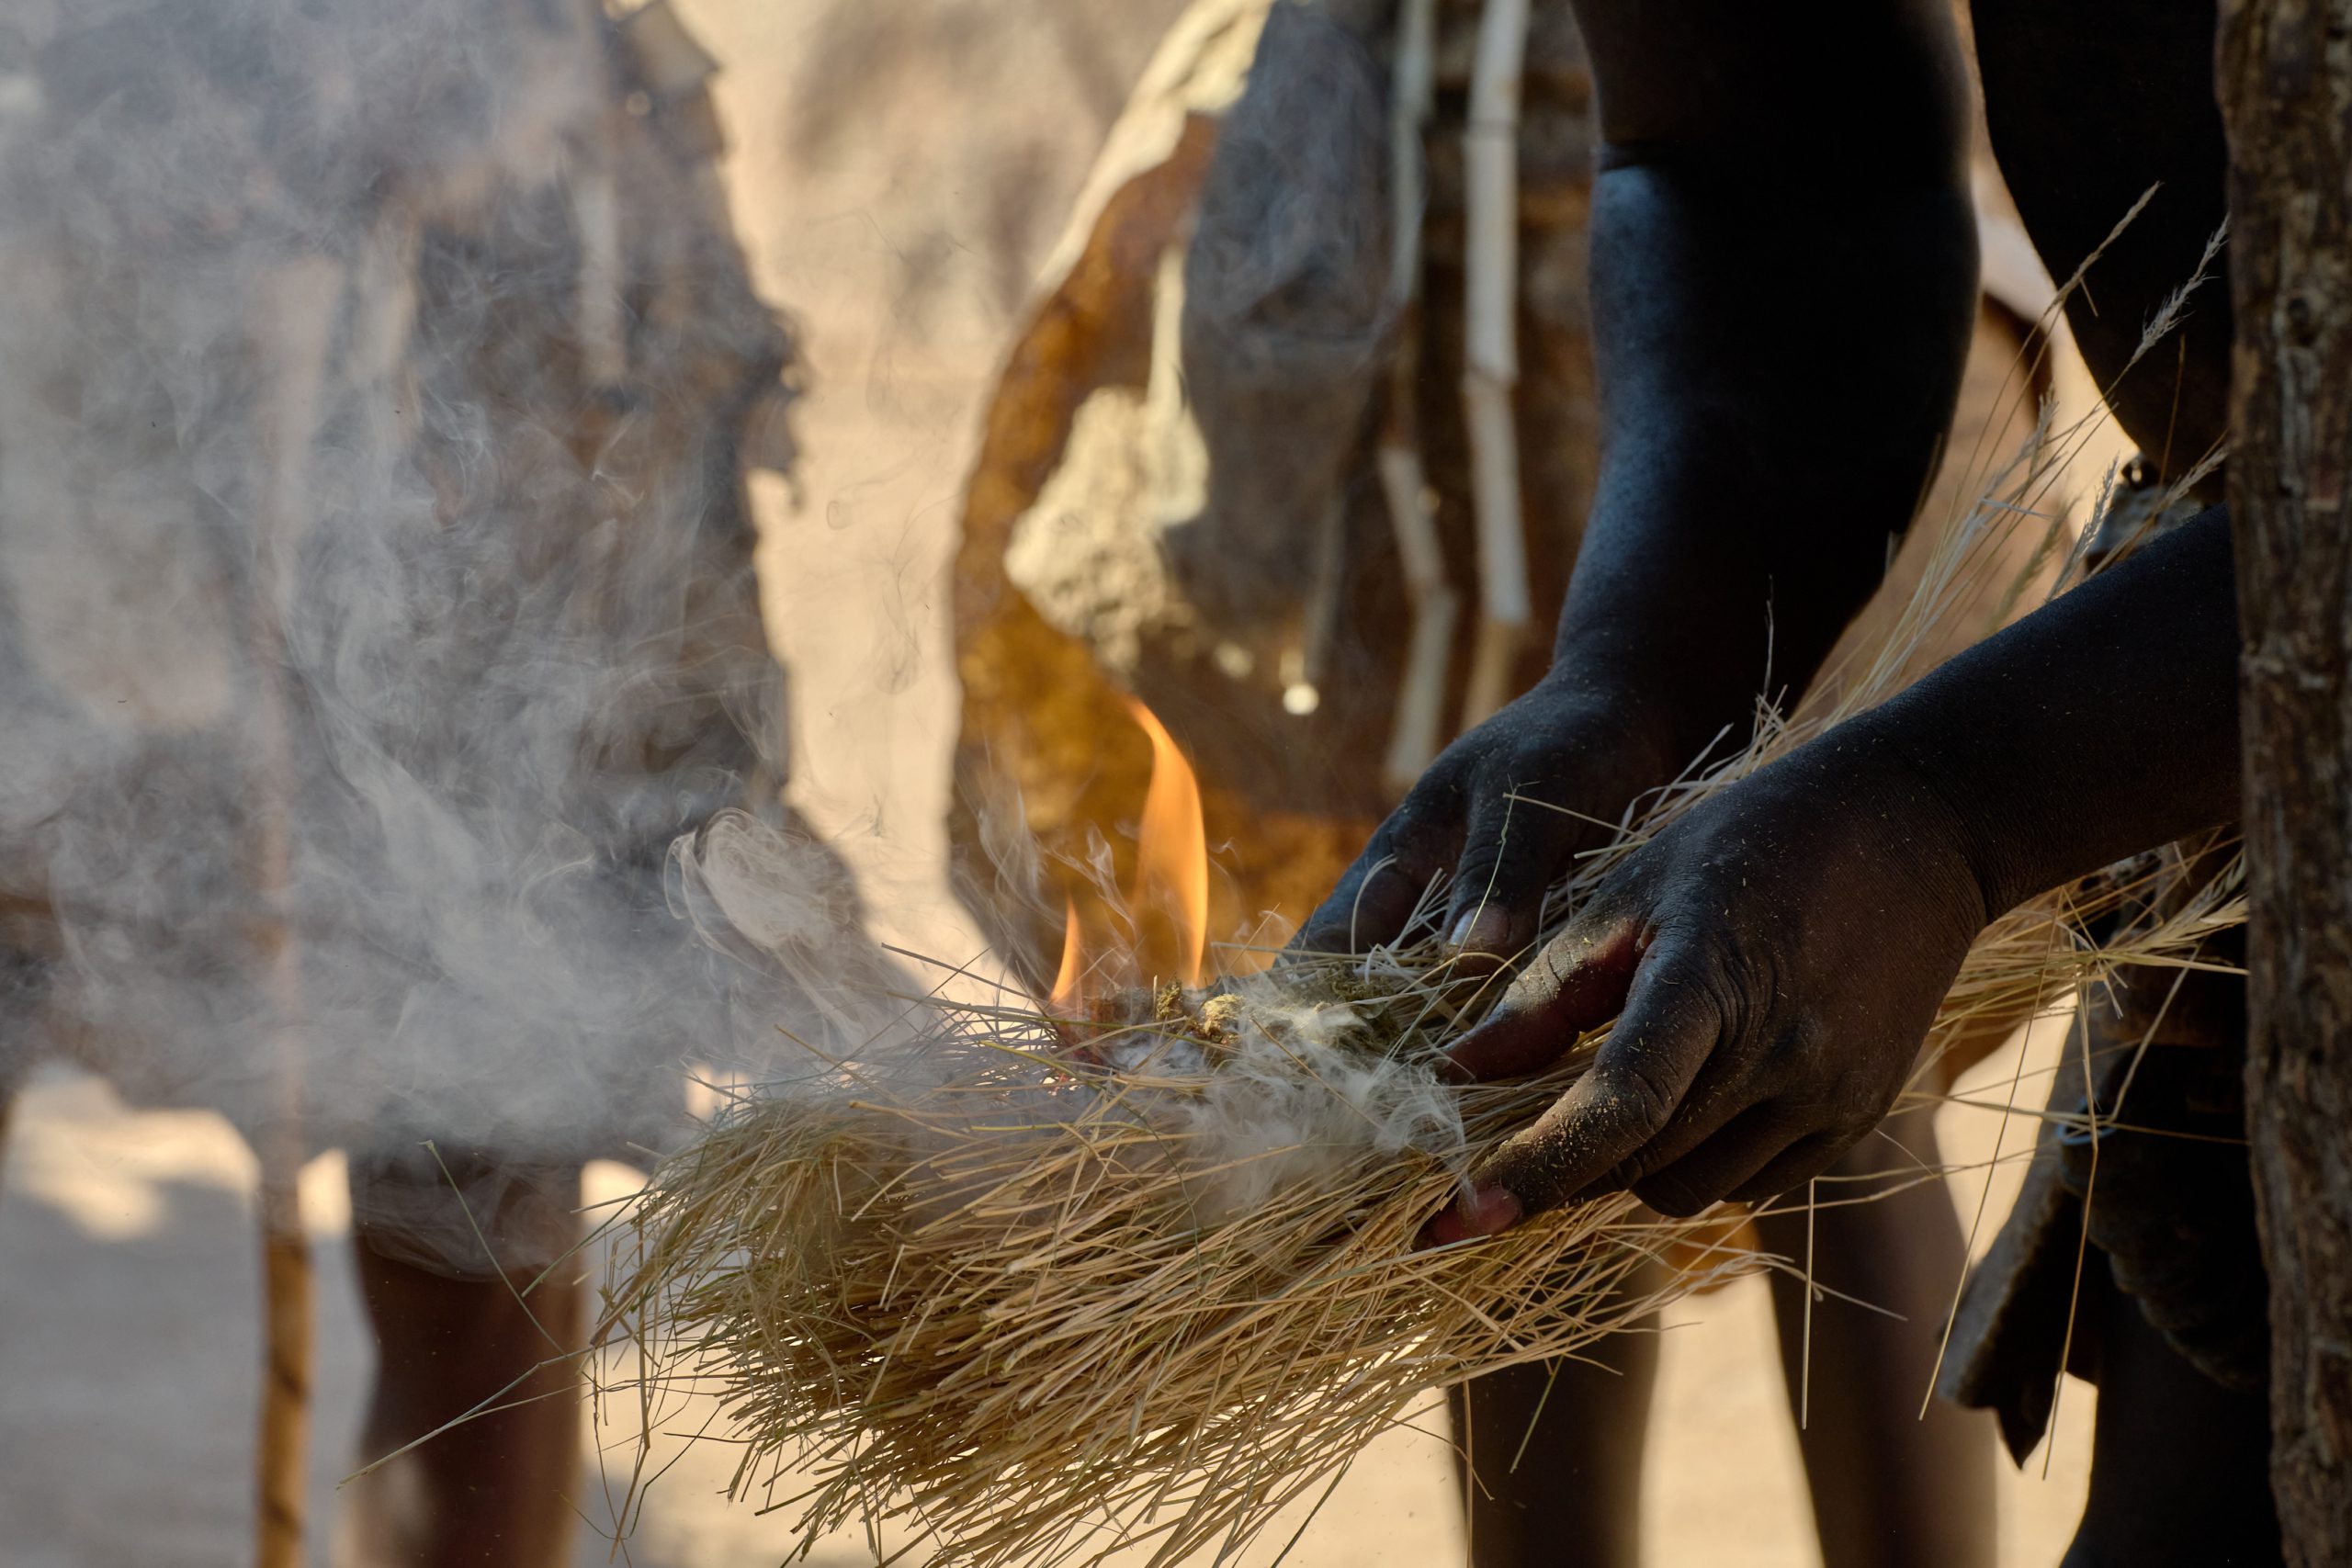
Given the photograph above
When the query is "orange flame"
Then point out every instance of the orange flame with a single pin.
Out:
(1172, 852)
(1072, 974)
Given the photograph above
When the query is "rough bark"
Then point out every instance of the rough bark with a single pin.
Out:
(2286, 90)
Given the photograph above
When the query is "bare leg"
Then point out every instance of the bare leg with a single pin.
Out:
(2181, 1466)
(495, 1490)
(23, 978)
(1888, 1487)
(1574, 1500)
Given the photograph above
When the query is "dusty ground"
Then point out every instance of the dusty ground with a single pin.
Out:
(900, 169)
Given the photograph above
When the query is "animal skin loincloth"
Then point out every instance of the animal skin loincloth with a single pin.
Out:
(2170, 1209)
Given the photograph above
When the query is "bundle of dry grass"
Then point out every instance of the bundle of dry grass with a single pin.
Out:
(1051, 1287)
(1047, 1288)
(1032, 1293)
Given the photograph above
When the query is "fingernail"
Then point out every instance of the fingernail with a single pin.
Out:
(1484, 1212)
(1491, 1209)
(1480, 931)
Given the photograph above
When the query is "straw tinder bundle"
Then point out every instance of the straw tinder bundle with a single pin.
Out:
(1049, 1289)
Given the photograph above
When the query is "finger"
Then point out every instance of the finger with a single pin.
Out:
(1633, 1090)
(1482, 1213)
(1718, 1125)
(1512, 848)
(1577, 982)
(1375, 899)
(1800, 1163)
(1746, 1143)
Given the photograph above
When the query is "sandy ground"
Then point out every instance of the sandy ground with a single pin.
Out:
(900, 170)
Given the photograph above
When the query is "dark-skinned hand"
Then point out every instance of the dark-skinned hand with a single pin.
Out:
(1773, 959)
(1501, 811)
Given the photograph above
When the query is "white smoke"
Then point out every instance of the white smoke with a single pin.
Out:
(1298, 1102)
(372, 380)
(1294, 1093)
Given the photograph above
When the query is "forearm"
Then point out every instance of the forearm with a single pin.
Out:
(2101, 724)
(1783, 287)
(1776, 391)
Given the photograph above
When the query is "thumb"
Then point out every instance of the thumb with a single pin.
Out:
(1637, 1083)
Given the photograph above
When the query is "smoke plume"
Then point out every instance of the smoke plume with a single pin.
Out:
(375, 569)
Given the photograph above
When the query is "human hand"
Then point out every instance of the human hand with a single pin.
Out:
(1773, 959)
(1502, 809)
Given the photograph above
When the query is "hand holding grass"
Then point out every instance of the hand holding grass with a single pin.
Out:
(1776, 955)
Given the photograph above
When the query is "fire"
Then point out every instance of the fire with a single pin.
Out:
(1173, 848)
(1169, 897)
(1072, 974)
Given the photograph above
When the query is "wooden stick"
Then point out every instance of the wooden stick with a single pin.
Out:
(282, 1457)
(596, 210)
(1412, 88)
(294, 327)
(1490, 350)
(1171, 463)
(1304, 691)
(1414, 728)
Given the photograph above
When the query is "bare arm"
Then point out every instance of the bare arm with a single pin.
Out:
(1779, 954)
(1783, 285)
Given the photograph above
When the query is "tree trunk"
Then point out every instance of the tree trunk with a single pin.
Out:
(2286, 90)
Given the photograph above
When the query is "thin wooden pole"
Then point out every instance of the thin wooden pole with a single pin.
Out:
(1415, 729)
(295, 313)
(1490, 350)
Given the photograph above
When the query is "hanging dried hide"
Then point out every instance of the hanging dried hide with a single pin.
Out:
(1177, 494)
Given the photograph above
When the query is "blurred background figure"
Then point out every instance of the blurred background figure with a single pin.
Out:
(376, 608)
